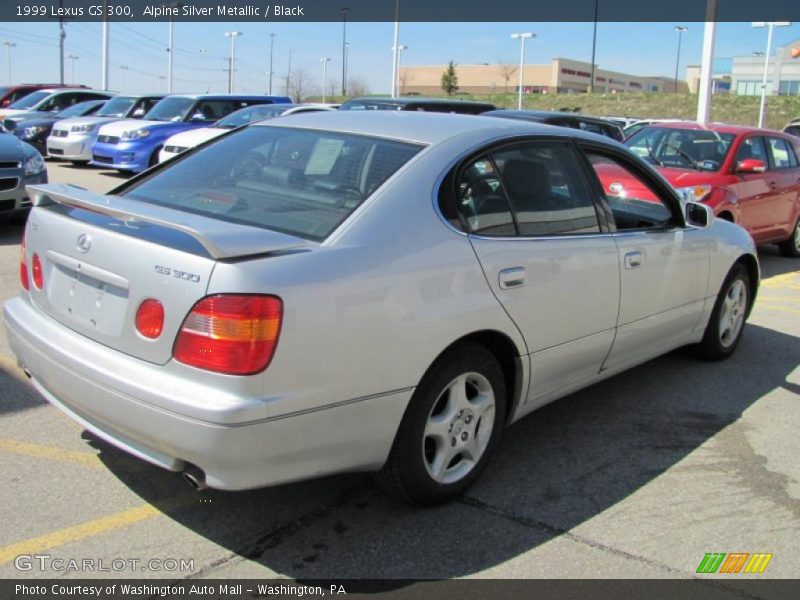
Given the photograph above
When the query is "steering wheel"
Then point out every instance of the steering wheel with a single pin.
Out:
(248, 167)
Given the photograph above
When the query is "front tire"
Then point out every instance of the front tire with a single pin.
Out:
(451, 426)
(791, 247)
(726, 324)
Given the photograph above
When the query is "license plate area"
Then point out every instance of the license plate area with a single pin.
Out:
(88, 301)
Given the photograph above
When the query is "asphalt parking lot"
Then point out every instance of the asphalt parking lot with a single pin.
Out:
(639, 476)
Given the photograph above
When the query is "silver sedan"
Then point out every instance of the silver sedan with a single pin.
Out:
(364, 292)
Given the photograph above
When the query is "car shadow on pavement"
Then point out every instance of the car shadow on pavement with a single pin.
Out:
(11, 233)
(554, 470)
(16, 393)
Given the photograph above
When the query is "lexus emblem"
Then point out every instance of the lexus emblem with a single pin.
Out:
(84, 242)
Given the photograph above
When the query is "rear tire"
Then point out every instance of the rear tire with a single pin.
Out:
(727, 321)
(791, 247)
(450, 428)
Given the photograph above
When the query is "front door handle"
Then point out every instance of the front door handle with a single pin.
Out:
(512, 278)
(634, 260)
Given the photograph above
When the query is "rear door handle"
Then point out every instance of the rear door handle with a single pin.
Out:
(511, 278)
(634, 260)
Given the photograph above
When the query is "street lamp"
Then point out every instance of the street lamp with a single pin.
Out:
(72, 58)
(9, 46)
(521, 37)
(680, 29)
(398, 52)
(345, 10)
(233, 35)
(770, 25)
(271, 48)
(123, 68)
(325, 60)
(346, 58)
(395, 46)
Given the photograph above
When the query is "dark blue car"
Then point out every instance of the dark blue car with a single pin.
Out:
(133, 144)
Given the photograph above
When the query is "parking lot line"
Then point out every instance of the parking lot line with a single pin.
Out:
(778, 299)
(781, 280)
(91, 528)
(88, 459)
(778, 308)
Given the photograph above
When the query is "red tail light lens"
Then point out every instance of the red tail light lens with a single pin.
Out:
(230, 334)
(38, 274)
(23, 268)
(150, 318)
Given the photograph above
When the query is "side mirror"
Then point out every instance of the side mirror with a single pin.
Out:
(699, 216)
(751, 165)
(198, 117)
(138, 113)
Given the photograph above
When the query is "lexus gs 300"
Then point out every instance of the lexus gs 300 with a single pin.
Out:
(363, 291)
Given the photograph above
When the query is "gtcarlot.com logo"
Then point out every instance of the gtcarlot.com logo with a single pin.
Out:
(733, 563)
(46, 562)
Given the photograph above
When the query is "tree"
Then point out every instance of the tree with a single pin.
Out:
(356, 86)
(300, 83)
(450, 79)
(405, 79)
(506, 71)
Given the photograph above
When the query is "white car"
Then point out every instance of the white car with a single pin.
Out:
(181, 142)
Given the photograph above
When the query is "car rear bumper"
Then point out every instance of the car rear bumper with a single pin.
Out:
(71, 147)
(125, 156)
(348, 436)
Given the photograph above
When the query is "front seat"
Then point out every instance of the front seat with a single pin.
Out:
(528, 185)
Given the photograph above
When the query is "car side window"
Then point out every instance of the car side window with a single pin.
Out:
(481, 202)
(752, 147)
(633, 201)
(782, 153)
(547, 192)
(591, 127)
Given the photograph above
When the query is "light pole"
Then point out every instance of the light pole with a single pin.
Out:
(395, 46)
(104, 64)
(345, 10)
(521, 37)
(346, 58)
(72, 58)
(9, 46)
(324, 60)
(680, 29)
(770, 25)
(594, 44)
(398, 53)
(271, 49)
(162, 77)
(170, 44)
(123, 68)
(233, 35)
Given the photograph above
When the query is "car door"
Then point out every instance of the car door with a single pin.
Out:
(783, 178)
(663, 264)
(752, 190)
(535, 228)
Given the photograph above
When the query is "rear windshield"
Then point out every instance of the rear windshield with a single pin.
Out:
(117, 107)
(252, 114)
(300, 182)
(30, 100)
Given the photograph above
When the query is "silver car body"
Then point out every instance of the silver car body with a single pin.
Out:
(366, 312)
(67, 144)
(13, 155)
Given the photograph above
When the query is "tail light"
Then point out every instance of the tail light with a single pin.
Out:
(23, 268)
(38, 274)
(232, 334)
(150, 318)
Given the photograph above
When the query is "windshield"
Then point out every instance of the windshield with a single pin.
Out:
(77, 110)
(698, 149)
(30, 100)
(172, 109)
(300, 182)
(116, 107)
(252, 114)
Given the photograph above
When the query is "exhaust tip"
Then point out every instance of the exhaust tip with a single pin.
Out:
(195, 478)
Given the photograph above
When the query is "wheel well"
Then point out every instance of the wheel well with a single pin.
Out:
(726, 216)
(751, 265)
(507, 355)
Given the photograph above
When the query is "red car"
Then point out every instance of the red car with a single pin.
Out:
(11, 93)
(746, 175)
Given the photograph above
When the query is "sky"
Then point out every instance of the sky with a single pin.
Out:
(202, 50)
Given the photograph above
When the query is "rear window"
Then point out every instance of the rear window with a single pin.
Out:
(30, 100)
(300, 182)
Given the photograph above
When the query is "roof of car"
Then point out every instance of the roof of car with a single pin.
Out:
(222, 96)
(420, 127)
(417, 100)
(541, 114)
(718, 127)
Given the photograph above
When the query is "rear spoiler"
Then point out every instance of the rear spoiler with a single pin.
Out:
(220, 239)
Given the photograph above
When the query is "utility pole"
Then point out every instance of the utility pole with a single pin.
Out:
(72, 58)
(123, 68)
(680, 29)
(344, 50)
(61, 35)
(233, 35)
(104, 67)
(9, 46)
(271, 51)
(325, 60)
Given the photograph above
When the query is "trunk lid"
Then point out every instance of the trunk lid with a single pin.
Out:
(103, 255)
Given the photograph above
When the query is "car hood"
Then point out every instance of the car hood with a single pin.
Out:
(67, 123)
(12, 148)
(195, 137)
(119, 127)
(686, 177)
(28, 115)
(42, 121)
